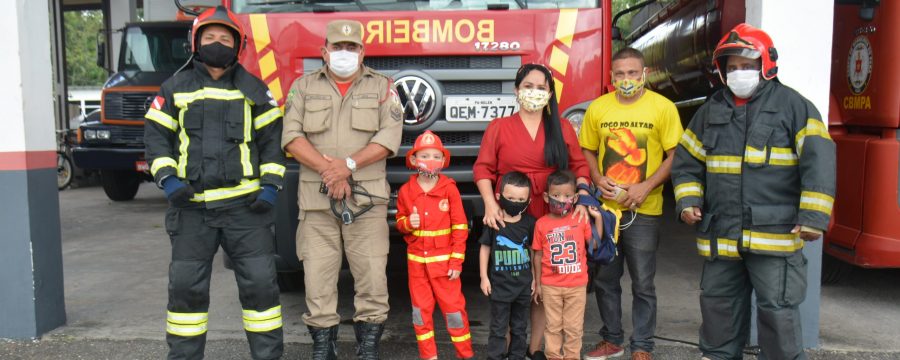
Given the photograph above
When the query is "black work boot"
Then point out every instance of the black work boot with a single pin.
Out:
(324, 347)
(368, 335)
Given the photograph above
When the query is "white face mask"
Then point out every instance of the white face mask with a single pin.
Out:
(743, 82)
(533, 99)
(343, 63)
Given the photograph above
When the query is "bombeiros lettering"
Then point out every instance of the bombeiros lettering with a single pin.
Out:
(404, 31)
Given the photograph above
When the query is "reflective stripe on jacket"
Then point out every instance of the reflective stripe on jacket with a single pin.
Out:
(755, 171)
(222, 136)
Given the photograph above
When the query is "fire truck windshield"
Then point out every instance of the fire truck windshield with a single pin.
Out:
(275, 6)
(154, 49)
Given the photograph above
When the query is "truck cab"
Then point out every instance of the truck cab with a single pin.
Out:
(113, 143)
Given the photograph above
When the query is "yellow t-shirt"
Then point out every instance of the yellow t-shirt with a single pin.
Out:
(630, 140)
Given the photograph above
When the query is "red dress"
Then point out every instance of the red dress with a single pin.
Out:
(507, 146)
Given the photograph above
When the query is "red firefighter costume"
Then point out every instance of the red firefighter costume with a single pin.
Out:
(437, 246)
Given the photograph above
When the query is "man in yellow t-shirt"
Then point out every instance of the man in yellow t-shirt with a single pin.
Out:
(629, 139)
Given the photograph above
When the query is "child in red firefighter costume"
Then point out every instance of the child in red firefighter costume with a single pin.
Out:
(431, 217)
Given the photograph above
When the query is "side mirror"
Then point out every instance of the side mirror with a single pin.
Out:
(101, 50)
(616, 33)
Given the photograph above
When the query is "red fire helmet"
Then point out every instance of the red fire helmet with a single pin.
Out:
(427, 140)
(749, 42)
(218, 15)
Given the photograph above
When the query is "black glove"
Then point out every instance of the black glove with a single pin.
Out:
(264, 200)
(178, 193)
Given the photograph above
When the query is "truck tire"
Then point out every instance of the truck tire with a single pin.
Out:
(290, 281)
(120, 185)
(834, 270)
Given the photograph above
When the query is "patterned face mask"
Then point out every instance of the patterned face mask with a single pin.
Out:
(430, 167)
(628, 87)
(533, 99)
(561, 208)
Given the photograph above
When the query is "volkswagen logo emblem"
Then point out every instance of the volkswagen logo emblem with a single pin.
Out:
(417, 98)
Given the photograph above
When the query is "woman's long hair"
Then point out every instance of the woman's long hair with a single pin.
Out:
(555, 151)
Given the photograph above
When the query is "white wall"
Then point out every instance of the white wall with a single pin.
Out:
(28, 122)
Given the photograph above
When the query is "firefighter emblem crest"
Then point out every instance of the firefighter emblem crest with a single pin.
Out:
(859, 65)
(346, 30)
(444, 205)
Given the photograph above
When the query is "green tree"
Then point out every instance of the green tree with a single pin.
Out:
(81, 48)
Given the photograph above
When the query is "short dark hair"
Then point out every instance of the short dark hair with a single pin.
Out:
(515, 178)
(561, 177)
(628, 53)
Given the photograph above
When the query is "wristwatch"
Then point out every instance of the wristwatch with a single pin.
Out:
(351, 164)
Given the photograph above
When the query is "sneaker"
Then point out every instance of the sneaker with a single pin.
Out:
(605, 350)
(641, 355)
(537, 355)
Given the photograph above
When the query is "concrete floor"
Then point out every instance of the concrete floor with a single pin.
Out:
(116, 258)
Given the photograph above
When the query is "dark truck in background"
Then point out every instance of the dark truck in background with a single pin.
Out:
(112, 141)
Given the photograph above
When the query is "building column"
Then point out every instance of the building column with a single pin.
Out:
(804, 63)
(31, 301)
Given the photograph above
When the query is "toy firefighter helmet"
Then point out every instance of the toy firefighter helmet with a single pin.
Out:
(218, 15)
(749, 42)
(427, 140)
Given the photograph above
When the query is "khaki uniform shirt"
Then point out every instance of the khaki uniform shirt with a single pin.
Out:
(338, 126)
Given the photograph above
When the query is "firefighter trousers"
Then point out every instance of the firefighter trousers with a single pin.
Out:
(196, 234)
(423, 291)
(726, 285)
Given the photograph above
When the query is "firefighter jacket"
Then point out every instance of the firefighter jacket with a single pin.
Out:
(439, 244)
(339, 126)
(756, 171)
(221, 136)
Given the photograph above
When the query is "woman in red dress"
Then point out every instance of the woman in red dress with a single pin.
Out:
(536, 142)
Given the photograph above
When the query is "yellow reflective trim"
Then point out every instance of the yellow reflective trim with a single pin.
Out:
(457, 256)
(245, 150)
(724, 248)
(811, 200)
(723, 164)
(431, 233)
(262, 315)
(693, 145)
(186, 318)
(771, 242)
(245, 187)
(263, 325)
(814, 127)
(271, 168)
(425, 336)
(703, 247)
(753, 155)
(460, 227)
(266, 118)
(183, 141)
(186, 330)
(162, 118)
(783, 156)
(182, 100)
(426, 260)
(160, 163)
(461, 338)
(688, 189)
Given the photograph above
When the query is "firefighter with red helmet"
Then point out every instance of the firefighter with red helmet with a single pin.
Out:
(755, 171)
(433, 222)
(212, 138)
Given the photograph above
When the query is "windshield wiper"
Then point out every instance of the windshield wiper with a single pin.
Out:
(522, 4)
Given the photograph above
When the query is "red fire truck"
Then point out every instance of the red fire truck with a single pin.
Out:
(678, 39)
(453, 63)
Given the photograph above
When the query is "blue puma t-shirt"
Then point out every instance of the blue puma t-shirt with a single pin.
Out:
(509, 268)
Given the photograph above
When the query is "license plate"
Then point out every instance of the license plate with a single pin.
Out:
(479, 108)
(141, 166)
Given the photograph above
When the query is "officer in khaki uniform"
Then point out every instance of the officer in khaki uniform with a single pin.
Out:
(341, 123)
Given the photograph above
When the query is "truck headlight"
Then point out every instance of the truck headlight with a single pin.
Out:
(90, 134)
(576, 118)
(103, 134)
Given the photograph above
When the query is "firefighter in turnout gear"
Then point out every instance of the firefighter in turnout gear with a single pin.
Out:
(212, 137)
(431, 217)
(755, 171)
(341, 123)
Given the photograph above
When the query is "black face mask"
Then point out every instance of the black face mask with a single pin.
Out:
(513, 208)
(217, 55)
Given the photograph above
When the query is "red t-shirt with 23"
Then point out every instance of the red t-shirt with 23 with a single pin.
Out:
(562, 240)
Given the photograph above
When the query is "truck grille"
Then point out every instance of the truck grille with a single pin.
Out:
(433, 62)
(127, 135)
(472, 87)
(126, 105)
(447, 138)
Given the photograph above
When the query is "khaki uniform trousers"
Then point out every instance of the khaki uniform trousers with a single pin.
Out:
(564, 309)
(322, 240)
